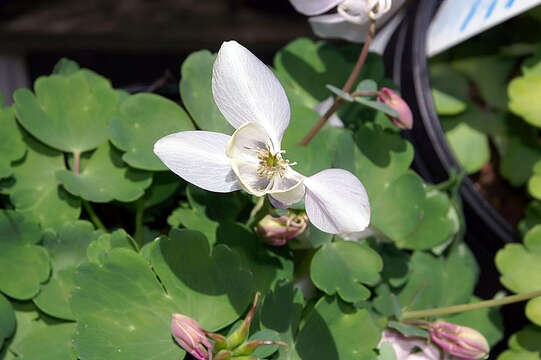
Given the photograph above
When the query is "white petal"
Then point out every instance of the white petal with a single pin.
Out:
(336, 202)
(323, 107)
(334, 26)
(199, 158)
(314, 7)
(245, 90)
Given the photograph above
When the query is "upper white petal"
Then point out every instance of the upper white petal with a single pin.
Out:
(245, 90)
(314, 7)
(334, 26)
(336, 202)
(199, 157)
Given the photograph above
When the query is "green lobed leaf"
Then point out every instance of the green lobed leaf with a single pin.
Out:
(98, 250)
(129, 317)
(141, 120)
(69, 112)
(523, 345)
(266, 266)
(49, 343)
(199, 281)
(490, 74)
(12, 146)
(27, 262)
(7, 319)
(336, 330)
(339, 92)
(196, 92)
(532, 217)
(377, 106)
(446, 104)
(65, 66)
(67, 249)
(36, 192)
(518, 161)
(264, 351)
(436, 226)
(469, 145)
(408, 330)
(281, 311)
(305, 67)
(332, 261)
(520, 269)
(534, 183)
(386, 352)
(105, 177)
(524, 97)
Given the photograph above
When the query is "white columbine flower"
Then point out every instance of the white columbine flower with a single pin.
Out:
(253, 101)
(352, 18)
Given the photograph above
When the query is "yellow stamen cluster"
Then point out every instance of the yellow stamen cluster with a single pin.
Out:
(271, 164)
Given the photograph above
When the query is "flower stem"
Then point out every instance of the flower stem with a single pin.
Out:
(466, 307)
(93, 216)
(77, 162)
(347, 86)
(140, 209)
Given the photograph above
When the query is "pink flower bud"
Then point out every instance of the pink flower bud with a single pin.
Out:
(405, 117)
(460, 341)
(277, 231)
(189, 334)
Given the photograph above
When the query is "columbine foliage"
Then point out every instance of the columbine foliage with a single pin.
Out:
(80, 288)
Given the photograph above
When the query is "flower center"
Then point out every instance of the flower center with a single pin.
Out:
(271, 164)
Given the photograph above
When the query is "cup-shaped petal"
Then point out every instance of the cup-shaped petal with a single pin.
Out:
(336, 202)
(314, 7)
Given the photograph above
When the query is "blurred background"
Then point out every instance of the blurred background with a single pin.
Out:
(132, 42)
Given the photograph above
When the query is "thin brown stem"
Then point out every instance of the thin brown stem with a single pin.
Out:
(76, 162)
(347, 86)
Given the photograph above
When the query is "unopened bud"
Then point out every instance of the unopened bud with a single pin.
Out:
(404, 120)
(460, 341)
(189, 334)
(277, 231)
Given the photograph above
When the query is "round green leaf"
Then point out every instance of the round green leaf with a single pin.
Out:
(398, 210)
(69, 112)
(98, 250)
(200, 281)
(67, 250)
(196, 92)
(518, 161)
(12, 146)
(335, 330)
(36, 191)
(361, 264)
(524, 345)
(7, 319)
(524, 94)
(141, 120)
(469, 145)
(28, 263)
(520, 268)
(436, 225)
(264, 351)
(164, 186)
(446, 104)
(49, 343)
(105, 177)
(123, 312)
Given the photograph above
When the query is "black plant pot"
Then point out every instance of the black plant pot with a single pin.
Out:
(487, 230)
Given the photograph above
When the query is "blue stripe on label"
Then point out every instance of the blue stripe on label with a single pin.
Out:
(491, 8)
(509, 4)
(470, 15)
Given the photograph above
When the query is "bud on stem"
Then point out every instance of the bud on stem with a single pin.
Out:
(460, 341)
(239, 335)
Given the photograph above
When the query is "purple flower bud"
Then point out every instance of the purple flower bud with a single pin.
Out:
(189, 334)
(277, 231)
(460, 341)
(405, 117)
